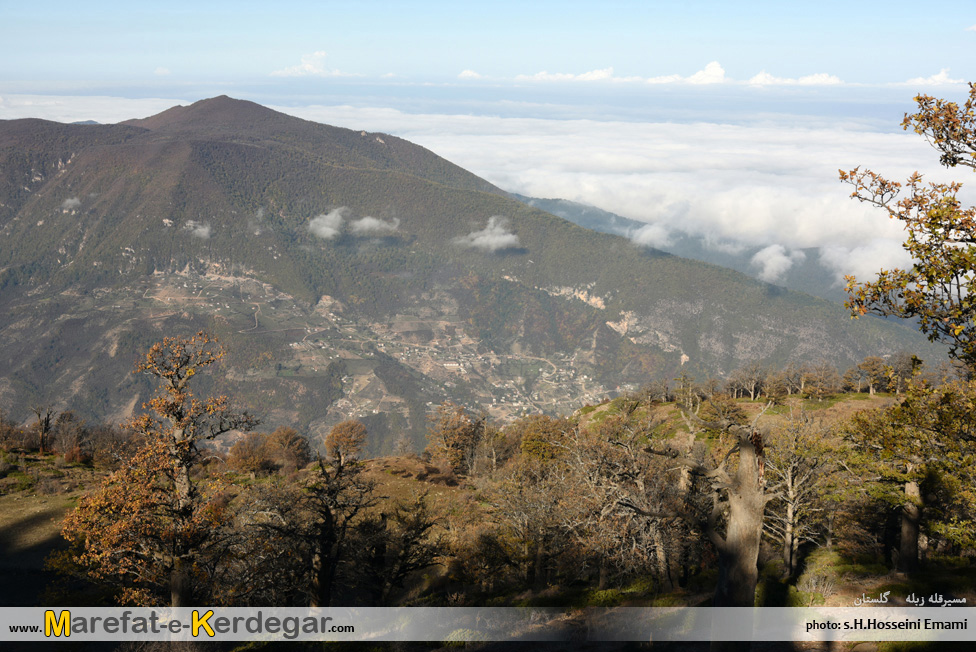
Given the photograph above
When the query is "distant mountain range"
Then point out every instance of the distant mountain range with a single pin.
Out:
(350, 273)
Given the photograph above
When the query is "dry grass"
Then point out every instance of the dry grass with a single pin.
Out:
(30, 529)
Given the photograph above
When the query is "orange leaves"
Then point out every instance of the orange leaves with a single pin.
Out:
(151, 520)
(947, 127)
(346, 440)
(176, 359)
(941, 234)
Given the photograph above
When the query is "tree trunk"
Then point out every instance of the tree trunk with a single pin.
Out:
(604, 578)
(527, 562)
(179, 581)
(738, 570)
(663, 562)
(789, 546)
(738, 552)
(378, 562)
(323, 573)
(324, 564)
(540, 563)
(911, 515)
(179, 585)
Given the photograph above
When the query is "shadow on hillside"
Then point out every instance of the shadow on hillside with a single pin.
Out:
(22, 554)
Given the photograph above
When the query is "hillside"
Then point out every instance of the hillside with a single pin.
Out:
(37, 490)
(349, 274)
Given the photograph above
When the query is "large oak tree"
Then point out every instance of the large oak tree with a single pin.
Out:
(150, 525)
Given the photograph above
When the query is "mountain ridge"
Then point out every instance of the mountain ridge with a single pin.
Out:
(358, 270)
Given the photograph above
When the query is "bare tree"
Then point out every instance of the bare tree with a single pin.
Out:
(397, 544)
(43, 427)
(800, 459)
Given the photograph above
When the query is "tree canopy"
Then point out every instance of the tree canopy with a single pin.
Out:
(939, 288)
(151, 524)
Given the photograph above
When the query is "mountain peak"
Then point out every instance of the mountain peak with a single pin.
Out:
(220, 112)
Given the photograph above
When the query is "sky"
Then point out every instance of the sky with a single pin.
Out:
(724, 120)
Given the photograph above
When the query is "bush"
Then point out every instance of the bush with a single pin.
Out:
(77, 455)
(250, 454)
(284, 450)
(604, 598)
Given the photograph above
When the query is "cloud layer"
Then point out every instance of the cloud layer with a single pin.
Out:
(713, 73)
(312, 65)
(769, 178)
(819, 79)
(772, 182)
(939, 79)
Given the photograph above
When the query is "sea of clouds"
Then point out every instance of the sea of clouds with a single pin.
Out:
(766, 178)
(773, 184)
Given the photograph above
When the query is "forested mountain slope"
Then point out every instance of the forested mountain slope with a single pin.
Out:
(349, 274)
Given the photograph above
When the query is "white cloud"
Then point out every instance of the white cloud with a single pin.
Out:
(70, 203)
(731, 247)
(712, 74)
(312, 65)
(774, 261)
(936, 80)
(468, 74)
(496, 236)
(865, 260)
(593, 75)
(255, 223)
(971, 28)
(328, 226)
(818, 79)
(161, 72)
(652, 235)
(198, 229)
(373, 226)
(664, 79)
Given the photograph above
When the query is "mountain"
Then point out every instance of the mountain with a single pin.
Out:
(349, 274)
(805, 275)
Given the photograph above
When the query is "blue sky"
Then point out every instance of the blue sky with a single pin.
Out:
(727, 120)
(118, 43)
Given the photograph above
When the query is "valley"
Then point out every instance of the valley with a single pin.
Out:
(273, 337)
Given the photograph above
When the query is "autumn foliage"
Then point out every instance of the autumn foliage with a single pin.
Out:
(938, 289)
(149, 527)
